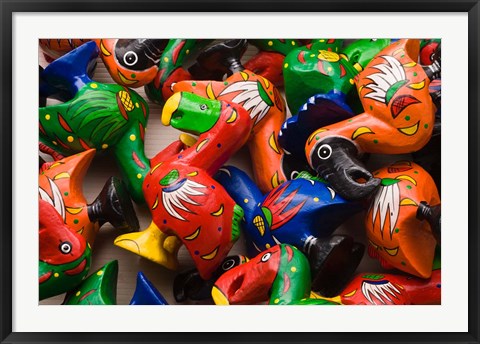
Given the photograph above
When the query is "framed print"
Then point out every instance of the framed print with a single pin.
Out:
(220, 41)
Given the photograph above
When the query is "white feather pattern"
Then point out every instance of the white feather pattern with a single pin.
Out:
(249, 98)
(173, 200)
(387, 202)
(389, 74)
(371, 291)
(56, 201)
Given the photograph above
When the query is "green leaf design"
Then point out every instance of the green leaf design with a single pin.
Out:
(263, 94)
(373, 276)
(171, 177)
(268, 215)
(389, 181)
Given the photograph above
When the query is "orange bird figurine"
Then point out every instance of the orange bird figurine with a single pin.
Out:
(60, 184)
(403, 222)
(398, 119)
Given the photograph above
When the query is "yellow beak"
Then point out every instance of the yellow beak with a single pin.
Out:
(218, 297)
(170, 107)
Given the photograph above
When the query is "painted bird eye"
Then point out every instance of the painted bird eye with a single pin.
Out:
(203, 107)
(266, 257)
(65, 247)
(294, 174)
(227, 265)
(324, 152)
(130, 58)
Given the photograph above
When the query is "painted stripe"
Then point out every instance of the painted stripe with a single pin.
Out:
(194, 235)
(408, 201)
(62, 175)
(211, 255)
(104, 49)
(361, 131)
(73, 211)
(218, 212)
(409, 131)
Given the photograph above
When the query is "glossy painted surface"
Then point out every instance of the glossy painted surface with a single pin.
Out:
(146, 293)
(320, 89)
(398, 118)
(427, 50)
(268, 62)
(279, 275)
(388, 289)
(170, 68)
(181, 194)
(296, 212)
(107, 117)
(398, 232)
(64, 255)
(54, 48)
(320, 69)
(131, 62)
(302, 212)
(100, 288)
(267, 111)
(64, 77)
(60, 184)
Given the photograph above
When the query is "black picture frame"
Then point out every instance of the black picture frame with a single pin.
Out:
(9, 7)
